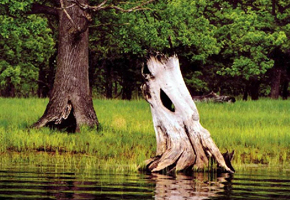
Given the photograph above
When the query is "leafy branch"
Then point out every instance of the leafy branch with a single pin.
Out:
(103, 6)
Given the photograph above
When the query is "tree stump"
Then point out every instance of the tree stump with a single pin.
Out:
(182, 143)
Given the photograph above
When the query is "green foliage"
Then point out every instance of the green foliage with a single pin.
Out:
(26, 44)
(249, 33)
(194, 82)
(222, 40)
(15, 7)
(247, 46)
(117, 36)
(150, 29)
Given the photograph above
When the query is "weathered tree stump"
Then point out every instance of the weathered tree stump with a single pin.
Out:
(182, 143)
(213, 97)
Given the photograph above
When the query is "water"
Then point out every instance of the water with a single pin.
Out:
(23, 181)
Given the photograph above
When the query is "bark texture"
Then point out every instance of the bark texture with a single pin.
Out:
(70, 104)
(275, 83)
(182, 142)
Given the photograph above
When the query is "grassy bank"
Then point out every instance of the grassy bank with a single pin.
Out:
(259, 132)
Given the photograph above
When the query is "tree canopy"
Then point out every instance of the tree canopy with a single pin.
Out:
(26, 45)
(235, 47)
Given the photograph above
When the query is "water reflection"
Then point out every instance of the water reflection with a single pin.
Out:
(197, 186)
(52, 182)
(24, 181)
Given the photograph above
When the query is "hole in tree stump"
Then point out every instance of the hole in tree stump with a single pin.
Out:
(69, 125)
(166, 101)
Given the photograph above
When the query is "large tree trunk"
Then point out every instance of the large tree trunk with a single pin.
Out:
(182, 142)
(70, 104)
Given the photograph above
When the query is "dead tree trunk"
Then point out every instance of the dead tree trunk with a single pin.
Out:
(213, 97)
(70, 104)
(182, 142)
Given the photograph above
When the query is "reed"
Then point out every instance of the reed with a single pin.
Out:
(258, 131)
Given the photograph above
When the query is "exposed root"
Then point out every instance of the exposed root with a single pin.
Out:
(151, 160)
(167, 159)
(41, 122)
(180, 159)
(216, 154)
(177, 158)
(186, 160)
(64, 121)
(201, 157)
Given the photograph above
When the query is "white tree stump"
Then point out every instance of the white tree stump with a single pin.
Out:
(182, 142)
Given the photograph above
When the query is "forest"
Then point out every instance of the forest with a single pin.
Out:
(232, 47)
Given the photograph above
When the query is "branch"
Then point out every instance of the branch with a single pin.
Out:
(42, 82)
(108, 24)
(88, 7)
(42, 9)
(69, 17)
(102, 6)
(282, 9)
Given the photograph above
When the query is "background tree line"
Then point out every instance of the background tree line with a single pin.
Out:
(234, 47)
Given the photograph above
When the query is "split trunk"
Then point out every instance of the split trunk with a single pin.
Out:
(182, 143)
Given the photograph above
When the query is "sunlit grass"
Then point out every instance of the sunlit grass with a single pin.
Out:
(258, 131)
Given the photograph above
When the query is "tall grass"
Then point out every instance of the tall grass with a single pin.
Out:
(258, 131)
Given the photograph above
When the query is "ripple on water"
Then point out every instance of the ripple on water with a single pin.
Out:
(51, 182)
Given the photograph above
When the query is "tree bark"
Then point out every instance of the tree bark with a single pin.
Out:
(245, 94)
(254, 89)
(213, 97)
(285, 85)
(109, 81)
(70, 104)
(275, 83)
(182, 143)
(285, 92)
(42, 89)
(128, 77)
(9, 90)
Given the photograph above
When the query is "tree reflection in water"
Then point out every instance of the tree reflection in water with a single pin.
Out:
(51, 182)
(199, 186)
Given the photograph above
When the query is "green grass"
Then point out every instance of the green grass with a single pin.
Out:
(258, 131)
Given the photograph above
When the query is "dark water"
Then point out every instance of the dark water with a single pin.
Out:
(52, 182)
